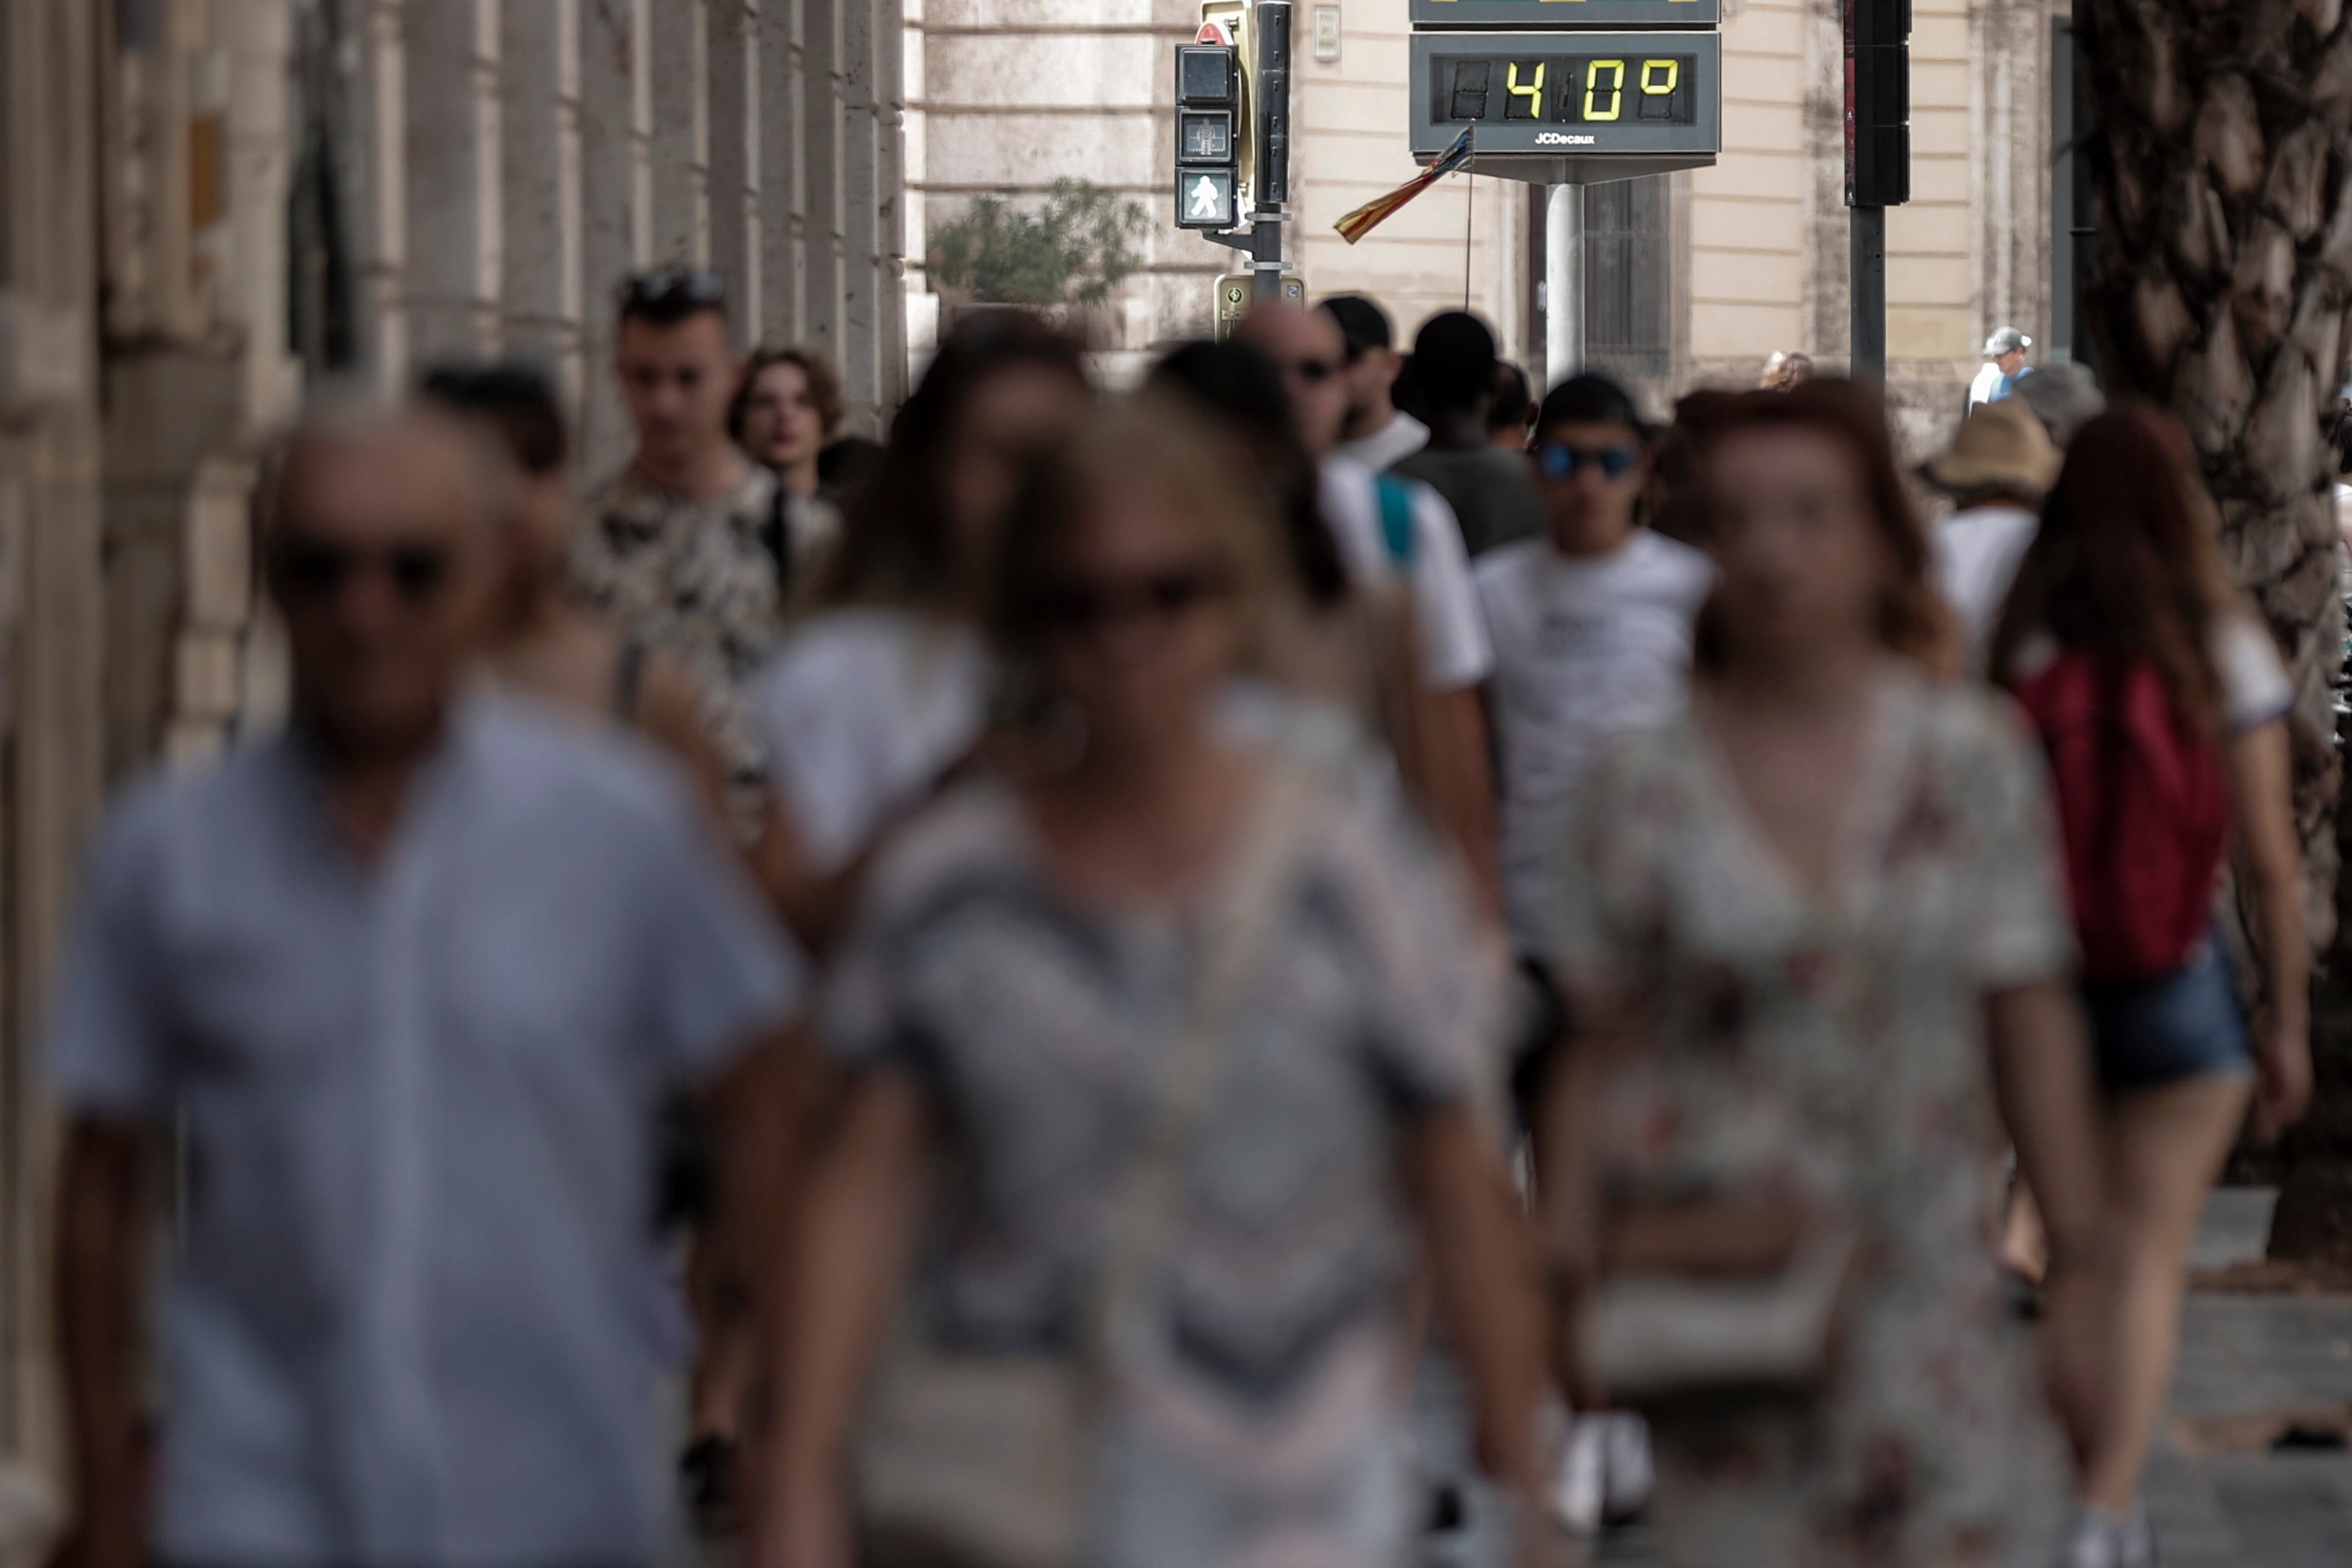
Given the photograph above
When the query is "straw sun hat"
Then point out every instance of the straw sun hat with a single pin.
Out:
(2002, 445)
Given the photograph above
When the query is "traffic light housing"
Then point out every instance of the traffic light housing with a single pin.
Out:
(1877, 103)
(1208, 136)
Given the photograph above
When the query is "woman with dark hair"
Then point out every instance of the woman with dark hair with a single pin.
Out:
(1352, 703)
(1202, 1038)
(1810, 929)
(787, 410)
(2163, 704)
(885, 687)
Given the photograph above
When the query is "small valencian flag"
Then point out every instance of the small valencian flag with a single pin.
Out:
(1372, 214)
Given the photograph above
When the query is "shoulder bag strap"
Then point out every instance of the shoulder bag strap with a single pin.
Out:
(1240, 918)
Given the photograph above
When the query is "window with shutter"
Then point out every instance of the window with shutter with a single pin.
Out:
(1629, 278)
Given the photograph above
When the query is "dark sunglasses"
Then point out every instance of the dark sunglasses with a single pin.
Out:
(670, 287)
(1560, 461)
(1157, 595)
(315, 571)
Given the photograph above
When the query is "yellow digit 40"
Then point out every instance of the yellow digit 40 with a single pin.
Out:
(1674, 69)
(1616, 89)
(1532, 92)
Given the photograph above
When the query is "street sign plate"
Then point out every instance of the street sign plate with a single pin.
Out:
(1568, 106)
(1205, 199)
(1566, 13)
(1237, 292)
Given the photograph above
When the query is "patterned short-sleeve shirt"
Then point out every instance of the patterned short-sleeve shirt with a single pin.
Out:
(696, 577)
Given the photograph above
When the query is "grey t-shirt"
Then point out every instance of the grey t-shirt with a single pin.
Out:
(1493, 495)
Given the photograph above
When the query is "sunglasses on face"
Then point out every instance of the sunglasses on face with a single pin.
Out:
(1561, 462)
(316, 572)
(1079, 608)
(670, 287)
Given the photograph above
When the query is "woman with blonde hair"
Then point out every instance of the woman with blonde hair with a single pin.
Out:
(1811, 931)
(1201, 1038)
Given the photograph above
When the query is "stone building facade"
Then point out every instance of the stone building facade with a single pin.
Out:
(207, 205)
(1713, 269)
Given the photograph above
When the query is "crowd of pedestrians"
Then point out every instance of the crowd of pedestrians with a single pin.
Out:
(1062, 973)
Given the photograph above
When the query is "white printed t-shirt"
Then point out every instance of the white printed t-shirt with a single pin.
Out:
(1977, 555)
(1447, 622)
(1585, 649)
(859, 714)
(1390, 445)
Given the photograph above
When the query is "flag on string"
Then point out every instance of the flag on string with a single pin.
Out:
(1372, 214)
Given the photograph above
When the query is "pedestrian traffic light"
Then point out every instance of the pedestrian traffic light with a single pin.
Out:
(1877, 103)
(1207, 147)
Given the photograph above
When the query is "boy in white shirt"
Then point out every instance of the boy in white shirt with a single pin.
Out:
(1592, 623)
(1590, 626)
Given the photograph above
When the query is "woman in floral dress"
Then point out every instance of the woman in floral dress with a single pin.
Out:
(1798, 924)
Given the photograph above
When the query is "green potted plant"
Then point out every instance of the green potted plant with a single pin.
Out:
(1064, 257)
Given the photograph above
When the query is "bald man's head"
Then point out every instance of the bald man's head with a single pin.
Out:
(383, 539)
(1311, 351)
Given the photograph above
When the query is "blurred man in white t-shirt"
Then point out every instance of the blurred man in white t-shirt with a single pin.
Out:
(1592, 623)
(1997, 471)
(1392, 530)
(1374, 430)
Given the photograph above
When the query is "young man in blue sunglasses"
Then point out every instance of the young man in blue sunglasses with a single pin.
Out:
(1591, 623)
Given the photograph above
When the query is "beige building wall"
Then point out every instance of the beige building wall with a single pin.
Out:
(1768, 237)
(1014, 94)
(1465, 238)
(180, 181)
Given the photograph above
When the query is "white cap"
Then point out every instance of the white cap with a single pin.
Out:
(2006, 340)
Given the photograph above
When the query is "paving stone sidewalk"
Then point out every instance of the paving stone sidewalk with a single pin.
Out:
(2244, 1355)
(2241, 1356)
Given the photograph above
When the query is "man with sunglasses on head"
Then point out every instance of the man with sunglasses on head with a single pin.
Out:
(1453, 363)
(675, 550)
(1592, 623)
(406, 982)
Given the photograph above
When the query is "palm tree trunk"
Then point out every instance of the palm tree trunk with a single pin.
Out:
(2221, 163)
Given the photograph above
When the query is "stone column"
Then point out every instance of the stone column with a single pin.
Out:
(680, 75)
(378, 191)
(922, 306)
(891, 206)
(51, 613)
(821, 138)
(452, 173)
(615, 198)
(540, 170)
(735, 185)
(861, 225)
(782, 184)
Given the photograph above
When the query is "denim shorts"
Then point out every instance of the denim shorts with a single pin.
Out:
(2147, 1034)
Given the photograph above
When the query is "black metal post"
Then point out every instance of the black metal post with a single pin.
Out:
(1869, 267)
(1271, 109)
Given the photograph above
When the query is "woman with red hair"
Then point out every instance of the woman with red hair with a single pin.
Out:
(1811, 934)
(2163, 706)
